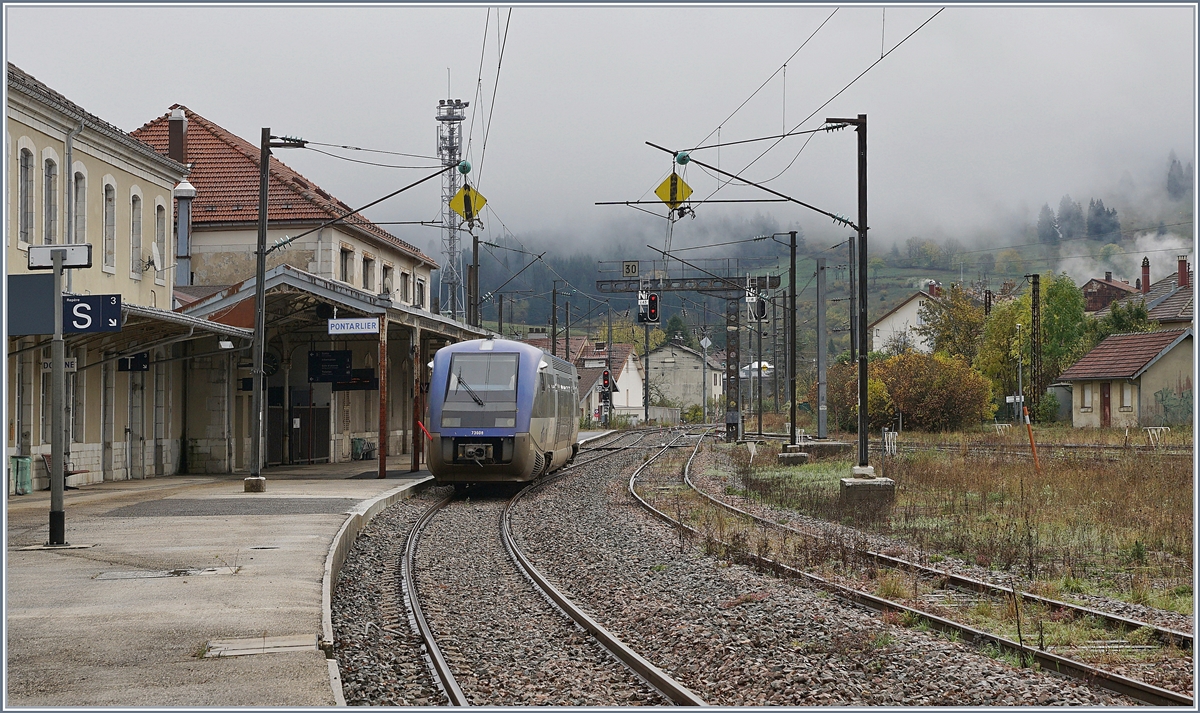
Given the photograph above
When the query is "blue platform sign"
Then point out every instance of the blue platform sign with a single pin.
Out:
(91, 313)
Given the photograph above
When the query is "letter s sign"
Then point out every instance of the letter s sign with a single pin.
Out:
(82, 316)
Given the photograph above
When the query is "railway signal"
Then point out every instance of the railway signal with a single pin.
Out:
(652, 309)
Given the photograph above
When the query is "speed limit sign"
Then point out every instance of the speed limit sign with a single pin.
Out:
(629, 268)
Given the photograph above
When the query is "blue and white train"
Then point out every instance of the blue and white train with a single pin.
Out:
(500, 412)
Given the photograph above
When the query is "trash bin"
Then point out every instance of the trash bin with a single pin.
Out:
(22, 474)
(356, 448)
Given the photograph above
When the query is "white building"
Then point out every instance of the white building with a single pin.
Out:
(901, 323)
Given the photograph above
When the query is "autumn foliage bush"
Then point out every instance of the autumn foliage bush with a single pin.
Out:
(934, 392)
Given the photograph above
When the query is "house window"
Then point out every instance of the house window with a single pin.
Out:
(420, 301)
(1086, 397)
(386, 285)
(50, 203)
(347, 265)
(160, 239)
(368, 273)
(404, 295)
(25, 188)
(80, 209)
(110, 228)
(135, 237)
(1127, 396)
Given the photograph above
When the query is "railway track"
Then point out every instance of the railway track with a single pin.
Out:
(1138, 690)
(441, 667)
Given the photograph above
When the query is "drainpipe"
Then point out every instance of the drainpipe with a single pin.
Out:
(69, 184)
(183, 193)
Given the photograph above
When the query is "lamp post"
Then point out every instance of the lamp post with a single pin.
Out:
(1020, 400)
(256, 483)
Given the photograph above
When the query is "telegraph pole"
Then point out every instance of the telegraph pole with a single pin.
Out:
(822, 351)
(791, 348)
(554, 318)
(256, 483)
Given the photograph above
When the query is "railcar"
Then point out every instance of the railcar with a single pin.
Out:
(500, 412)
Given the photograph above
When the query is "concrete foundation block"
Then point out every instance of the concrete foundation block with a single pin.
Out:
(256, 485)
(878, 492)
(789, 448)
(793, 458)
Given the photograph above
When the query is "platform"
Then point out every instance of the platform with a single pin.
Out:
(168, 582)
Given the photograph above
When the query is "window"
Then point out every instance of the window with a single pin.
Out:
(135, 237)
(25, 187)
(50, 203)
(420, 300)
(110, 228)
(368, 273)
(347, 265)
(1086, 397)
(80, 209)
(404, 280)
(386, 285)
(1127, 396)
(160, 239)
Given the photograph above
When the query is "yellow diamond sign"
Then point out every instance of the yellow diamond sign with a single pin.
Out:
(467, 203)
(673, 191)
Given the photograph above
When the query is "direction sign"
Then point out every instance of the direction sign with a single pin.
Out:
(91, 313)
(329, 366)
(706, 342)
(137, 362)
(629, 268)
(467, 203)
(673, 191)
(1014, 399)
(41, 257)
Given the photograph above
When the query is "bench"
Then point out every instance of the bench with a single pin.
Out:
(67, 472)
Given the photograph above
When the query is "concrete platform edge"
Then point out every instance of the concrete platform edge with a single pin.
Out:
(338, 549)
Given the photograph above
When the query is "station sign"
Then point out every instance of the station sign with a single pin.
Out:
(360, 380)
(137, 362)
(70, 365)
(357, 325)
(91, 313)
(41, 257)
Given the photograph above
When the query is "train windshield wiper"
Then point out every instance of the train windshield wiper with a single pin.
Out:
(470, 391)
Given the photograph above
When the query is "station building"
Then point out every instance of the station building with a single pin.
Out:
(75, 178)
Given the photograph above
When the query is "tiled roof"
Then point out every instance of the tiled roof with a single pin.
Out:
(24, 82)
(618, 357)
(1119, 284)
(1165, 301)
(1122, 356)
(543, 343)
(225, 173)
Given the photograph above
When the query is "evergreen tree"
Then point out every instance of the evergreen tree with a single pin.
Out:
(1177, 182)
(1102, 223)
(1070, 219)
(1047, 227)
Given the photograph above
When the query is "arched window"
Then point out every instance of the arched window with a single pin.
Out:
(160, 238)
(50, 203)
(135, 237)
(25, 188)
(80, 209)
(110, 227)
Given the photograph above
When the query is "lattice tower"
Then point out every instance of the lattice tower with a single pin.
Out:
(450, 115)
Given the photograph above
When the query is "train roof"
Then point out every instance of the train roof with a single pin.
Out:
(508, 345)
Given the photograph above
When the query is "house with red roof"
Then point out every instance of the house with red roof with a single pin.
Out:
(225, 170)
(1133, 380)
(625, 376)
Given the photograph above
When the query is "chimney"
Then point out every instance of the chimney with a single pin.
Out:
(1145, 275)
(1183, 271)
(1108, 277)
(177, 133)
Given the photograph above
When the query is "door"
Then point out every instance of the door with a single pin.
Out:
(1105, 405)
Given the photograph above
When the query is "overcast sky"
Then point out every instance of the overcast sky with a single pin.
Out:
(975, 121)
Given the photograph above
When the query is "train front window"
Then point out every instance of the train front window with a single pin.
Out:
(481, 391)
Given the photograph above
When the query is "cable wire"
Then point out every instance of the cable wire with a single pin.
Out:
(368, 163)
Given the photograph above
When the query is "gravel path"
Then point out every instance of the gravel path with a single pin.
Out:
(380, 658)
(738, 637)
(504, 642)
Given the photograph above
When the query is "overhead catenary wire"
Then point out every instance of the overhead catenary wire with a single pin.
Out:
(368, 163)
(357, 148)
